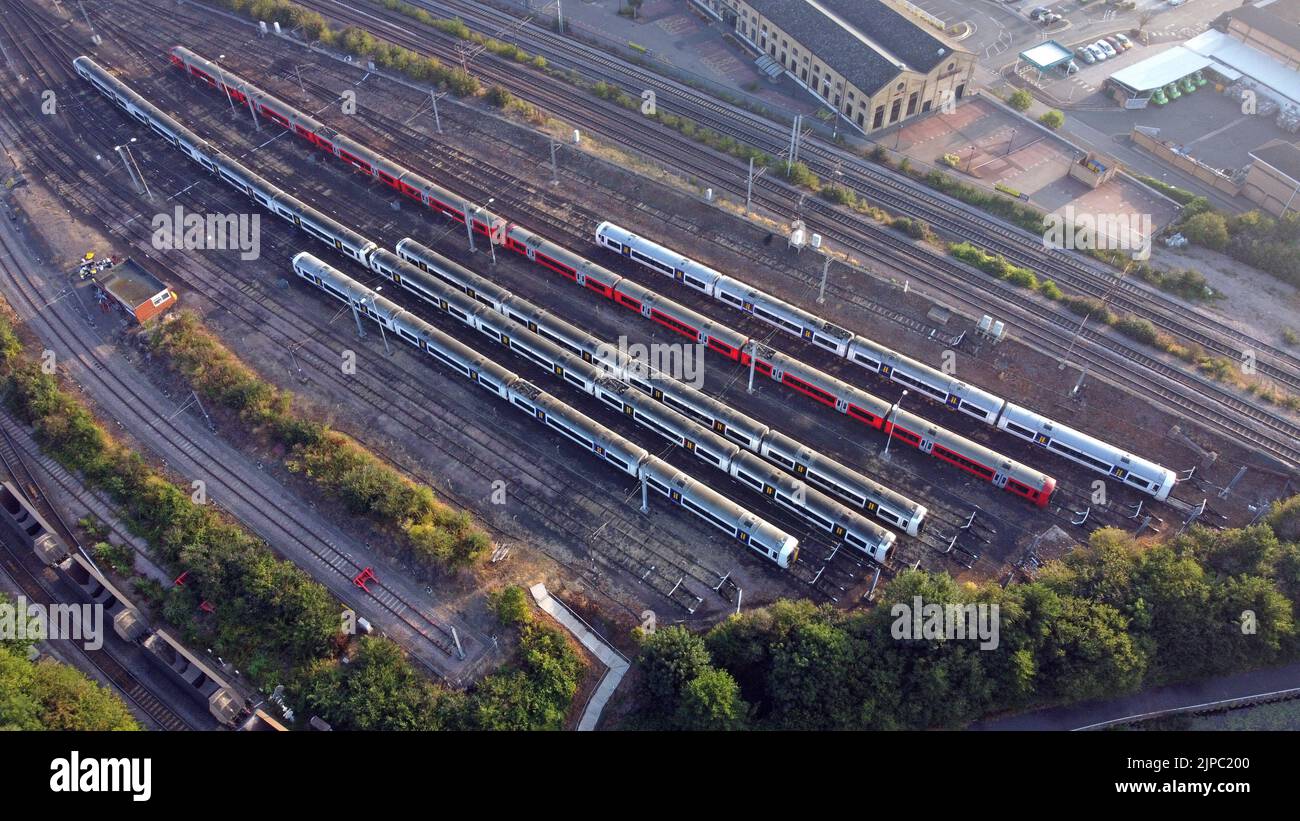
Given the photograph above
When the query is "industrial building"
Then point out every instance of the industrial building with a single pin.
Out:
(874, 62)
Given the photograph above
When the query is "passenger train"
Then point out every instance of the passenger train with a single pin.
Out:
(765, 538)
(975, 459)
(931, 383)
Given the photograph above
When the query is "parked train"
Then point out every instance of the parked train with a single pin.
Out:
(931, 383)
(774, 543)
(766, 539)
(818, 470)
(975, 459)
(223, 701)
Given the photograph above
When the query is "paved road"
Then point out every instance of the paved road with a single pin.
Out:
(1240, 685)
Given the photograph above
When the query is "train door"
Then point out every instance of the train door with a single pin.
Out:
(1000, 479)
(927, 445)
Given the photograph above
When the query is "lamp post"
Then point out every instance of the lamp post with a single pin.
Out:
(890, 438)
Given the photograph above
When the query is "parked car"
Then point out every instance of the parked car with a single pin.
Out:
(1115, 44)
(1038, 11)
(1050, 18)
(1096, 52)
(1106, 48)
(1085, 55)
(1177, 2)
(1124, 41)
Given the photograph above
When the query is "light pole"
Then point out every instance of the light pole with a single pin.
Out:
(469, 222)
(132, 169)
(375, 308)
(222, 77)
(895, 407)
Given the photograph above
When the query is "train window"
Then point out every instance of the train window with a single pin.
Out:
(574, 380)
(704, 514)
(611, 400)
(825, 342)
(693, 282)
(627, 301)
(781, 460)
(889, 516)
(750, 480)
(657, 485)
(776, 320)
(407, 334)
(729, 298)
(856, 541)
(708, 456)
(609, 457)
(863, 359)
(1078, 455)
(656, 427)
(671, 322)
(1019, 487)
(739, 437)
(1134, 479)
(973, 410)
(1020, 430)
(521, 403)
(907, 436)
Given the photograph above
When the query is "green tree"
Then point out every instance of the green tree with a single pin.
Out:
(669, 659)
(711, 701)
(1020, 100)
(1052, 119)
(1207, 229)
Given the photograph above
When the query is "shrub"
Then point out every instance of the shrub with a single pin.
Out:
(1052, 119)
(1020, 100)
(1208, 229)
(511, 605)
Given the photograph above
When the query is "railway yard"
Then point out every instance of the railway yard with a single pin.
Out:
(554, 513)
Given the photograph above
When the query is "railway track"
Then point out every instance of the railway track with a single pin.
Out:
(289, 527)
(892, 190)
(1102, 353)
(652, 549)
(393, 133)
(22, 566)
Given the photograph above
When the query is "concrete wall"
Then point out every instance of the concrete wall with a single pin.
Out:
(1187, 165)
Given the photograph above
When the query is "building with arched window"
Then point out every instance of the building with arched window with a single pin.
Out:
(875, 62)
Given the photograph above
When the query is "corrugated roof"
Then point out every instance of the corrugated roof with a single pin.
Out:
(866, 41)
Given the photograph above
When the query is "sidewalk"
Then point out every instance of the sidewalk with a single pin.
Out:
(615, 661)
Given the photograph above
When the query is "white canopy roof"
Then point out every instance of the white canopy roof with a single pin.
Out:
(1162, 69)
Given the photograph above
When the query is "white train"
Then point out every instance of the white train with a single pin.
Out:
(765, 538)
(933, 384)
(768, 540)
